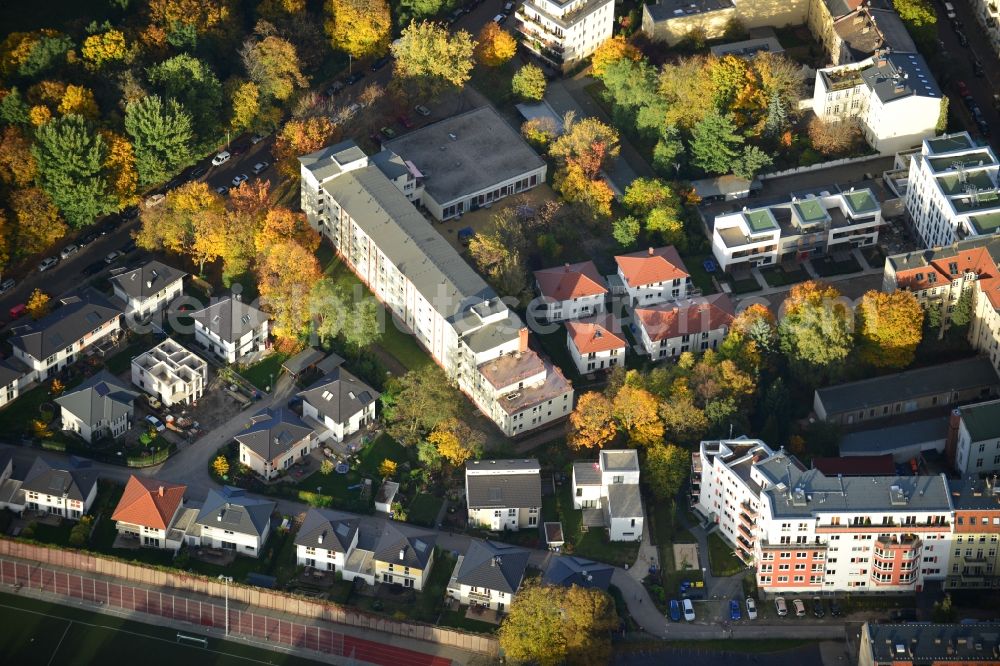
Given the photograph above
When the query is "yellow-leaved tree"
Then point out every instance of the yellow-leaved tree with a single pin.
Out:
(286, 274)
(890, 327)
(387, 468)
(495, 45)
(120, 162)
(611, 50)
(103, 48)
(359, 27)
(636, 412)
(38, 304)
(592, 424)
(456, 442)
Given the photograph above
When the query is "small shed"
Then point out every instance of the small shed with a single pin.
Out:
(303, 361)
(724, 188)
(554, 536)
(386, 496)
(329, 364)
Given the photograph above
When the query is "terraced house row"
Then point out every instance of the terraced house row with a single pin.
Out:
(806, 531)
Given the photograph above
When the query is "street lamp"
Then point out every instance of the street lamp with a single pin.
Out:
(227, 580)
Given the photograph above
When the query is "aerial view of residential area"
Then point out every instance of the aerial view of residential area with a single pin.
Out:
(473, 332)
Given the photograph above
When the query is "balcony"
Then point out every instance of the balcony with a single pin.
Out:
(746, 520)
(479, 597)
(746, 531)
(745, 506)
(695, 463)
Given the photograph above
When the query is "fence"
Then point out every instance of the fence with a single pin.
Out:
(251, 624)
(819, 166)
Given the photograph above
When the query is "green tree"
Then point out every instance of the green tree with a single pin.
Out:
(665, 469)
(433, 60)
(777, 117)
(625, 230)
(194, 85)
(71, 170)
(751, 162)
(665, 223)
(13, 107)
(683, 421)
(353, 318)
(529, 83)
(816, 334)
(961, 316)
(161, 135)
(47, 53)
(416, 402)
(715, 143)
(273, 65)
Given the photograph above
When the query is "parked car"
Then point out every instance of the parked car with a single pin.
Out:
(984, 128)
(94, 268)
(405, 121)
(963, 90)
(335, 88)
(222, 189)
(675, 610)
(87, 238)
(294, 402)
(969, 100)
(221, 158)
(17, 311)
(422, 110)
(508, 8)
(152, 401)
(130, 213)
(7, 285)
(128, 246)
(818, 610)
(949, 10)
(260, 166)
(113, 256)
(155, 200)
(734, 610)
(240, 179)
(835, 610)
(47, 263)
(688, 610)
(499, 19)
(354, 78)
(197, 172)
(381, 62)
(388, 132)
(962, 39)
(352, 109)
(156, 423)
(257, 138)
(751, 609)
(800, 608)
(977, 68)
(69, 251)
(781, 606)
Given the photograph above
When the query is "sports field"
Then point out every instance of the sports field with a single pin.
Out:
(36, 632)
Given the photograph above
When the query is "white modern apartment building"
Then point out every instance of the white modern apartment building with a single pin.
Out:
(952, 190)
(423, 281)
(652, 276)
(564, 32)
(503, 494)
(596, 344)
(170, 373)
(807, 532)
(893, 95)
(696, 325)
(814, 223)
(570, 291)
(607, 491)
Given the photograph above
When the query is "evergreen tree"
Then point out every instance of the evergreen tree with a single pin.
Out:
(715, 143)
(961, 316)
(71, 170)
(192, 83)
(751, 162)
(13, 108)
(161, 134)
(777, 117)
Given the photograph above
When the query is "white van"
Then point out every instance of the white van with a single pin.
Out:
(949, 10)
(688, 608)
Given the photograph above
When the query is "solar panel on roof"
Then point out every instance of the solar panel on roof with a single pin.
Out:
(420, 546)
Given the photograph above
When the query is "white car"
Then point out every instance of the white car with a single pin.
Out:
(800, 608)
(68, 251)
(688, 609)
(222, 189)
(155, 200)
(422, 110)
(240, 179)
(47, 263)
(260, 166)
(751, 609)
(499, 19)
(781, 606)
(257, 138)
(156, 423)
(221, 158)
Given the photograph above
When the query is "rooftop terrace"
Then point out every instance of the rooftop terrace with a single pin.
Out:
(955, 183)
(810, 211)
(979, 201)
(973, 159)
(949, 143)
(986, 223)
(760, 220)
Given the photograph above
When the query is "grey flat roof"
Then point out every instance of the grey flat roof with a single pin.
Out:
(624, 501)
(886, 440)
(620, 459)
(748, 47)
(671, 9)
(587, 473)
(495, 566)
(931, 643)
(327, 162)
(304, 360)
(973, 494)
(982, 420)
(484, 152)
(908, 385)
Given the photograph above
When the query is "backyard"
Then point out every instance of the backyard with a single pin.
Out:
(263, 373)
(721, 557)
(592, 544)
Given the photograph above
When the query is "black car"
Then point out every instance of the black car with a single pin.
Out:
(354, 78)
(977, 68)
(335, 88)
(970, 101)
(127, 247)
(197, 172)
(962, 39)
(130, 213)
(380, 63)
(835, 609)
(984, 128)
(95, 268)
(818, 607)
(87, 238)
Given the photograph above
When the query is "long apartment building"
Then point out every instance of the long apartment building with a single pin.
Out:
(939, 277)
(423, 281)
(892, 95)
(812, 224)
(952, 190)
(564, 32)
(808, 532)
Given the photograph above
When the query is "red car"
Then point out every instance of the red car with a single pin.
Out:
(963, 89)
(405, 122)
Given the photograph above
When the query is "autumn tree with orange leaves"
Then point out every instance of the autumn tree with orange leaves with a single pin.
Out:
(17, 164)
(285, 276)
(37, 221)
(635, 410)
(592, 423)
(191, 222)
(495, 45)
(611, 50)
(298, 137)
(281, 224)
(890, 326)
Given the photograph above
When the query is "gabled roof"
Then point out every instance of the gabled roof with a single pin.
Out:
(568, 570)
(651, 266)
(78, 316)
(272, 432)
(330, 530)
(404, 548)
(671, 320)
(503, 490)
(231, 509)
(103, 397)
(230, 318)
(148, 280)
(74, 482)
(149, 503)
(340, 395)
(495, 566)
(596, 334)
(564, 283)
(9, 372)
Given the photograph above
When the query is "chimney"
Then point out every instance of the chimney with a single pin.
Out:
(651, 252)
(402, 554)
(319, 539)
(161, 491)
(566, 266)
(951, 440)
(149, 284)
(522, 345)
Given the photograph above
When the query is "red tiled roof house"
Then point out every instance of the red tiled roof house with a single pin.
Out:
(696, 325)
(149, 511)
(653, 276)
(596, 343)
(570, 291)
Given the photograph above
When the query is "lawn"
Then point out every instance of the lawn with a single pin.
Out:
(17, 416)
(827, 267)
(423, 510)
(122, 361)
(554, 345)
(744, 286)
(701, 278)
(262, 373)
(721, 557)
(458, 620)
(427, 604)
(779, 277)
(592, 544)
(38, 632)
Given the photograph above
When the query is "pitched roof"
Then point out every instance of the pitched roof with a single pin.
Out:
(340, 395)
(9, 373)
(230, 318)
(564, 283)
(495, 566)
(934, 643)
(231, 509)
(78, 316)
(596, 334)
(331, 530)
(671, 320)
(149, 503)
(273, 431)
(74, 482)
(403, 547)
(103, 397)
(149, 280)
(567, 570)
(654, 265)
(503, 490)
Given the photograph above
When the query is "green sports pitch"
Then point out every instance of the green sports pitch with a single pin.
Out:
(38, 632)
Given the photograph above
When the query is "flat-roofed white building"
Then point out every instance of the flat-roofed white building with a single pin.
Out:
(608, 488)
(171, 373)
(977, 444)
(564, 32)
